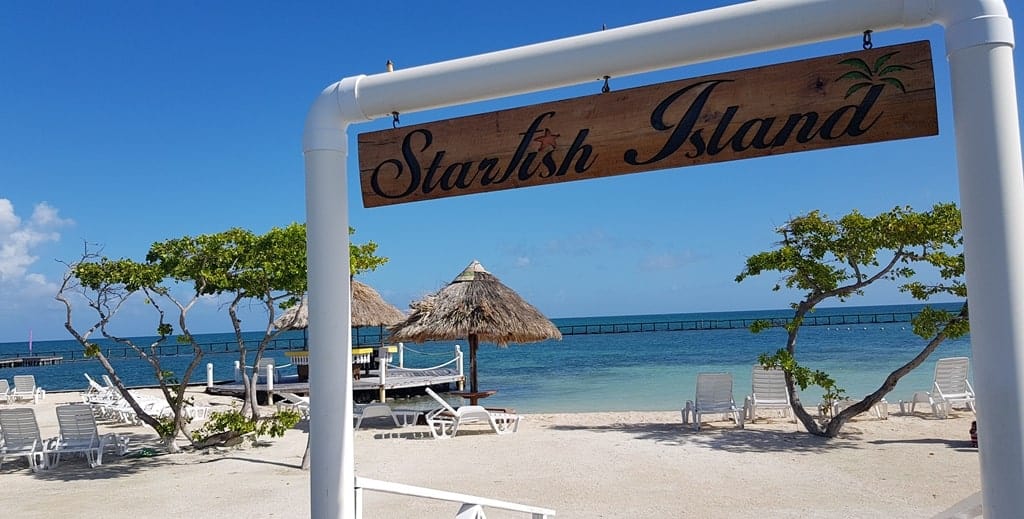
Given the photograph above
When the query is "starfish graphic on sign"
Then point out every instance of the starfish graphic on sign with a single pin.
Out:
(547, 140)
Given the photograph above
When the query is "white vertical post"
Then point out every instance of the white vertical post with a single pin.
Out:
(270, 382)
(980, 52)
(458, 363)
(238, 372)
(382, 361)
(325, 146)
(209, 375)
(401, 355)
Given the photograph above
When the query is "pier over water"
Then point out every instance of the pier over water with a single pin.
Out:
(733, 324)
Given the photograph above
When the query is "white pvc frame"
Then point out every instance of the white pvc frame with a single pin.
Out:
(979, 44)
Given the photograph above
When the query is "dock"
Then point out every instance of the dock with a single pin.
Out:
(18, 362)
(366, 389)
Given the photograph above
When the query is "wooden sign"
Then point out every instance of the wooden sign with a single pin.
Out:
(855, 98)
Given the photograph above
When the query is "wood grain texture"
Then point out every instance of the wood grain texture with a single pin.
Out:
(861, 97)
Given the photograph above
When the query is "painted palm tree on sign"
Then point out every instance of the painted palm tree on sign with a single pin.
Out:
(866, 75)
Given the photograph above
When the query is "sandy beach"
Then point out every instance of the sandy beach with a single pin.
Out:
(585, 465)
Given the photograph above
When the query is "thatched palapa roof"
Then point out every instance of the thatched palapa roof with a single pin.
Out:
(368, 309)
(475, 303)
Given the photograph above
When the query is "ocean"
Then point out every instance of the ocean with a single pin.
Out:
(631, 370)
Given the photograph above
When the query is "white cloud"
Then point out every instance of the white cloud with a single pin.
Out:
(522, 261)
(18, 241)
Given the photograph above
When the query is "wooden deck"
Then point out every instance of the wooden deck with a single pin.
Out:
(17, 362)
(365, 389)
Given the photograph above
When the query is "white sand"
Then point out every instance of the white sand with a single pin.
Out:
(637, 464)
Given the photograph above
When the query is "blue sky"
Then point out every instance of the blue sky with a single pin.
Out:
(126, 123)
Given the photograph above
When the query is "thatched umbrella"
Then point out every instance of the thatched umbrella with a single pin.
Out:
(368, 309)
(477, 306)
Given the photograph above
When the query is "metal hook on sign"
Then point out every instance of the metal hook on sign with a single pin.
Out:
(605, 88)
(867, 40)
(390, 67)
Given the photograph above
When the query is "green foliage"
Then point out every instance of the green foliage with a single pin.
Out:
(931, 321)
(166, 427)
(236, 261)
(760, 325)
(803, 376)
(92, 349)
(831, 258)
(104, 273)
(236, 422)
(363, 258)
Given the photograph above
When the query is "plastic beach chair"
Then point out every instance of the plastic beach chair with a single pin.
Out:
(714, 396)
(20, 433)
(950, 387)
(768, 391)
(25, 389)
(401, 417)
(78, 433)
(446, 421)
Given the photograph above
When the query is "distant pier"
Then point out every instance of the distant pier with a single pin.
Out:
(733, 324)
(18, 362)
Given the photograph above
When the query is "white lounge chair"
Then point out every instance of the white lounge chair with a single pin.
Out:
(768, 391)
(98, 394)
(445, 422)
(25, 389)
(20, 433)
(950, 387)
(78, 434)
(5, 390)
(293, 402)
(401, 417)
(109, 383)
(714, 396)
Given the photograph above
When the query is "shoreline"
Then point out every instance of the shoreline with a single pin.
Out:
(591, 464)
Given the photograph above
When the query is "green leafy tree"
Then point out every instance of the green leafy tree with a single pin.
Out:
(266, 270)
(826, 259)
(363, 258)
(106, 286)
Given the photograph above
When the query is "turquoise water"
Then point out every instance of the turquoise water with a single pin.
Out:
(609, 372)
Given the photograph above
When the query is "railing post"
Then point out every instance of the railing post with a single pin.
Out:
(382, 361)
(238, 374)
(359, 503)
(209, 375)
(401, 354)
(462, 376)
(270, 383)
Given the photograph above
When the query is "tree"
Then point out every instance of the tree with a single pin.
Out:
(267, 270)
(827, 259)
(106, 286)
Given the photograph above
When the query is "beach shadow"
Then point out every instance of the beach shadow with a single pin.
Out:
(401, 434)
(725, 437)
(75, 467)
(961, 445)
(257, 461)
